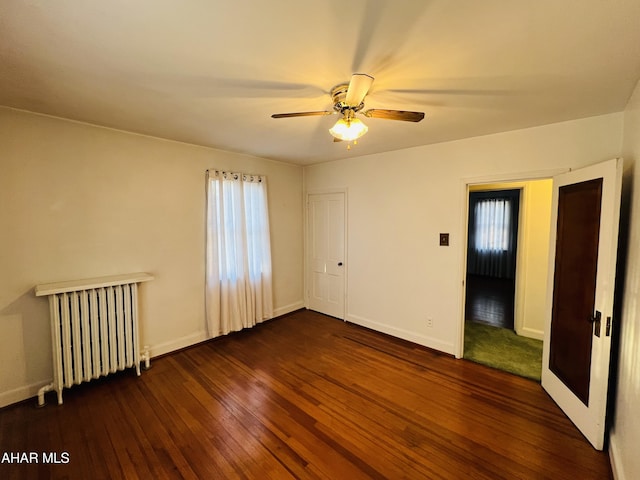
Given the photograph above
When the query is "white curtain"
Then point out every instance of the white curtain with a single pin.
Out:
(238, 256)
(493, 228)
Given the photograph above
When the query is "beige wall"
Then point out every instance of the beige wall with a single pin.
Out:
(625, 433)
(533, 253)
(79, 201)
(398, 203)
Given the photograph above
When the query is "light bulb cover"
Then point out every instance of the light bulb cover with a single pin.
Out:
(348, 129)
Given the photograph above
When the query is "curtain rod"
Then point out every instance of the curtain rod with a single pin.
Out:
(257, 175)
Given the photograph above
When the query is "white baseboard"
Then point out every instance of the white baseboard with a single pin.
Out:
(201, 336)
(177, 344)
(292, 307)
(614, 459)
(403, 334)
(531, 333)
(22, 393)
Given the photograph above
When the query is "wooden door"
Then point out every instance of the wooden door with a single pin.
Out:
(326, 253)
(577, 345)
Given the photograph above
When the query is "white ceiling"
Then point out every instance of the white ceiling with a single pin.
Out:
(211, 72)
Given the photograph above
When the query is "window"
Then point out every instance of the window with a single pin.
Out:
(493, 233)
(238, 265)
(493, 225)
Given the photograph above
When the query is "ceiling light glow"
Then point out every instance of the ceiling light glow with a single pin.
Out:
(348, 129)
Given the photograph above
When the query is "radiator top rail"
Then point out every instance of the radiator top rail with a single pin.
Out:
(89, 283)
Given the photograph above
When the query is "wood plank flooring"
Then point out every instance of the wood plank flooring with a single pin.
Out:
(303, 396)
(490, 301)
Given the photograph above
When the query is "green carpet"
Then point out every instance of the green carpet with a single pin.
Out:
(503, 349)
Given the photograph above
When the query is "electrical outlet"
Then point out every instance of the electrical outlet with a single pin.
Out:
(429, 322)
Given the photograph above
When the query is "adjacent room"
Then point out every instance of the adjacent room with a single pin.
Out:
(249, 240)
(507, 246)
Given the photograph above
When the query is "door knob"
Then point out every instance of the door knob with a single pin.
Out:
(339, 264)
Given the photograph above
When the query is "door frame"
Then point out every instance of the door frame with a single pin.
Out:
(305, 220)
(513, 178)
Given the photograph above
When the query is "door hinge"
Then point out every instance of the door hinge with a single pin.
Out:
(607, 330)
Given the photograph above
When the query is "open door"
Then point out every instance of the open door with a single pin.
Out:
(580, 290)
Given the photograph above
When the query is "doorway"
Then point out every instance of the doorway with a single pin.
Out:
(505, 295)
(491, 256)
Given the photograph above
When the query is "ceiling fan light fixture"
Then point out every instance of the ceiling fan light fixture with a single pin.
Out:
(348, 99)
(348, 129)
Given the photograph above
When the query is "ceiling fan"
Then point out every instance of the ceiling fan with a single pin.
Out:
(348, 99)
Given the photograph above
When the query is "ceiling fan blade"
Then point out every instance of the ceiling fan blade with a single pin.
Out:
(394, 115)
(301, 114)
(382, 33)
(370, 24)
(358, 89)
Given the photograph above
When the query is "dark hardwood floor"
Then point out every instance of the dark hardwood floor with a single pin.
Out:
(490, 301)
(303, 396)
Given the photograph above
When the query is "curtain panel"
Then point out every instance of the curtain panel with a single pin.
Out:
(493, 233)
(238, 252)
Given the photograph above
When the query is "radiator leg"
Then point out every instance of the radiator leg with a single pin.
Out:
(60, 397)
(147, 359)
(41, 392)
